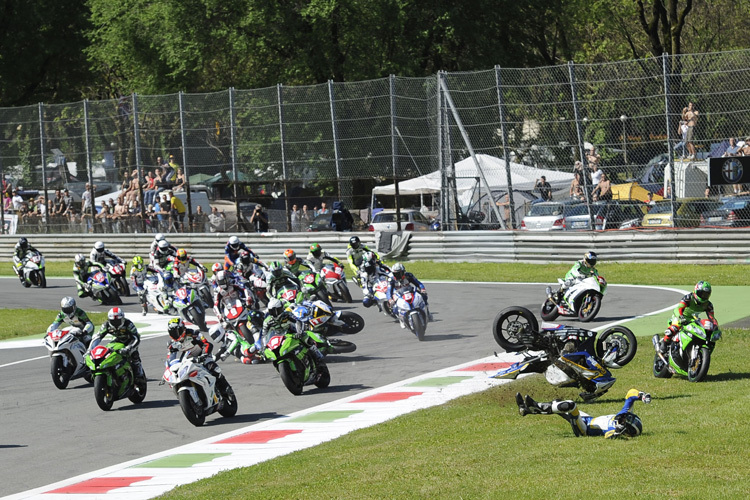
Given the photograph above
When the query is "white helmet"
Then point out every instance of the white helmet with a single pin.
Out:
(163, 246)
(275, 307)
(234, 243)
(158, 237)
(99, 246)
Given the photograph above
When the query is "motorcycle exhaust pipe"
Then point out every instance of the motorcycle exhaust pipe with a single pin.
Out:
(656, 348)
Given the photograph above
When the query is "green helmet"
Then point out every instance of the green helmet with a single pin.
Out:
(315, 249)
(702, 292)
(138, 263)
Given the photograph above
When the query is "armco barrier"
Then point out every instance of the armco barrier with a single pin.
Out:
(667, 246)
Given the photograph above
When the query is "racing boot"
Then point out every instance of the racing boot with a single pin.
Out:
(537, 408)
(522, 408)
(138, 369)
(316, 352)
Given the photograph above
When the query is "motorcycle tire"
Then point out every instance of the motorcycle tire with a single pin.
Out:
(661, 369)
(292, 378)
(88, 377)
(124, 288)
(197, 316)
(343, 292)
(323, 295)
(549, 311)
(588, 306)
(192, 411)
(324, 377)
(417, 324)
(43, 280)
(229, 409)
(338, 346)
(139, 392)
(509, 323)
(205, 295)
(699, 369)
(625, 341)
(353, 323)
(245, 332)
(60, 374)
(104, 395)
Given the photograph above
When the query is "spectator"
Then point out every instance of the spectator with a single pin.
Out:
(131, 193)
(506, 210)
(103, 216)
(176, 211)
(578, 167)
(544, 188)
(170, 172)
(17, 200)
(650, 200)
(593, 158)
(161, 182)
(733, 149)
(323, 209)
(576, 187)
(162, 209)
(603, 190)
(682, 133)
(305, 218)
(149, 188)
(259, 220)
(200, 220)
(596, 175)
(745, 149)
(294, 217)
(180, 182)
(341, 219)
(217, 221)
(691, 117)
(67, 203)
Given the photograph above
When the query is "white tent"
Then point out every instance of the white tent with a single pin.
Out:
(523, 178)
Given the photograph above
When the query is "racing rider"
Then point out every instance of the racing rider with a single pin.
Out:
(400, 278)
(197, 345)
(75, 317)
(581, 269)
(318, 256)
(354, 253)
(624, 424)
(100, 254)
(689, 307)
(232, 252)
(124, 331)
(19, 252)
(82, 269)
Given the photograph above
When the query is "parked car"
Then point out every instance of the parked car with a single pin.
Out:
(411, 220)
(687, 212)
(323, 223)
(612, 214)
(551, 215)
(735, 212)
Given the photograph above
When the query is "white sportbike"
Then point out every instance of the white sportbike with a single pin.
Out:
(582, 299)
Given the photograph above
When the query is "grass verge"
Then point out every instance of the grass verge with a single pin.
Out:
(23, 323)
(479, 447)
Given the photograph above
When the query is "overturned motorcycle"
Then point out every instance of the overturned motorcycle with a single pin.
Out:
(568, 356)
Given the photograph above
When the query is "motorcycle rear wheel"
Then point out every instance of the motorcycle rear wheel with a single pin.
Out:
(60, 375)
(588, 306)
(324, 377)
(192, 411)
(103, 394)
(353, 322)
(661, 369)
(124, 288)
(230, 404)
(197, 316)
(292, 378)
(509, 323)
(139, 392)
(625, 341)
(549, 310)
(699, 369)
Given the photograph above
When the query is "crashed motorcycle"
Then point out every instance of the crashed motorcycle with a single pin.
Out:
(689, 354)
(568, 356)
(583, 300)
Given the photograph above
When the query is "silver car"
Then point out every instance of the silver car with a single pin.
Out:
(551, 215)
(411, 220)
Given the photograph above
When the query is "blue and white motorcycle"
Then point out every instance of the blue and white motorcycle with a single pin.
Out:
(411, 310)
(568, 356)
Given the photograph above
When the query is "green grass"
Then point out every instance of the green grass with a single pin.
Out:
(637, 274)
(24, 323)
(478, 446)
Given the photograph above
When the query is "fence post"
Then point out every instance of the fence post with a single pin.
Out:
(185, 165)
(579, 132)
(670, 151)
(439, 129)
(394, 148)
(335, 137)
(44, 169)
(88, 163)
(2, 199)
(233, 137)
(506, 156)
(283, 157)
(137, 144)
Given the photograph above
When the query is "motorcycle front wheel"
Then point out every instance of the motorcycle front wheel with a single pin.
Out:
(549, 310)
(104, 395)
(620, 338)
(324, 377)
(417, 324)
(589, 306)
(510, 324)
(60, 375)
(343, 292)
(193, 412)
(698, 369)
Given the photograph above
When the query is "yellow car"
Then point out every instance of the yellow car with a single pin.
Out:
(687, 212)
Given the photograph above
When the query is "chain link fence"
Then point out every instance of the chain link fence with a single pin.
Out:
(474, 150)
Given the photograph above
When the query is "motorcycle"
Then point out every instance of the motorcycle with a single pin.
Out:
(162, 303)
(326, 321)
(195, 388)
(313, 287)
(583, 299)
(335, 279)
(101, 289)
(190, 307)
(689, 354)
(237, 315)
(411, 309)
(114, 378)
(67, 354)
(568, 356)
(289, 293)
(380, 295)
(295, 363)
(33, 270)
(237, 345)
(314, 318)
(196, 280)
(116, 274)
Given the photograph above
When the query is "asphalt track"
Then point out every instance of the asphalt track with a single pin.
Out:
(49, 435)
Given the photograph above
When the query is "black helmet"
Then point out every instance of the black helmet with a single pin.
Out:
(23, 243)
(628, 424)
(590, 259)
(176, 329)
(354, 242)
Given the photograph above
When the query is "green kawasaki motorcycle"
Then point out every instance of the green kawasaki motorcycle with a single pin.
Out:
(295, 363)
(114, 377)
(689, 354)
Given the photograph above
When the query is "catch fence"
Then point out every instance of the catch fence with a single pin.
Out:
(285, 146)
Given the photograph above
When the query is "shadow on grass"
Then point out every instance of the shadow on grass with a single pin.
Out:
(721, 377)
